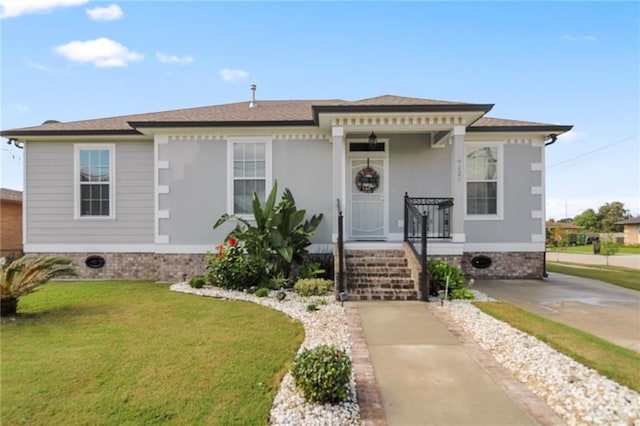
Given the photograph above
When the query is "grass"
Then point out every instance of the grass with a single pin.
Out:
(617, 275)
(122, 352)
(620, 364)
(588, 249)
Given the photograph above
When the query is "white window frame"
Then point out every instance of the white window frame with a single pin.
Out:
(231, 141)
(76, 179)
(499, 215)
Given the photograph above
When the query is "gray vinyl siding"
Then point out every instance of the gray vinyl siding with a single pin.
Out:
(50, 196)
(517, 225)
(418, 169)
(197, 180)
(305, 167)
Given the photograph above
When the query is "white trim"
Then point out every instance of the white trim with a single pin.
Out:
(120, 248)
(164, 214)
(504, 247)
(159, 140)
(536, 214)
(162, 164)
(268, 141)
(163, 189)
(543, 195)
(77, 147)
(372, 245)
(536, 167)
(500, 180)
(24, 193)
(458, 237)
(538, 238)
(536, 190)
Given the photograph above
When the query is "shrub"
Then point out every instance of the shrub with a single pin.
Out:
(462, 293)
(262, 292)
(232, 268)
(312, 307)
(310, 270)
(321, 374)
(313, 287)
(279, 232)
(197, 281)
(26, 274)
(439, 271)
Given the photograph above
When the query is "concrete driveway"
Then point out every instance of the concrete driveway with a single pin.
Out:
(604, 310)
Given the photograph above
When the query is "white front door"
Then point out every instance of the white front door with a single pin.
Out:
(367, 190)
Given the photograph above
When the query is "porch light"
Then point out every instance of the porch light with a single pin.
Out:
(373, 141)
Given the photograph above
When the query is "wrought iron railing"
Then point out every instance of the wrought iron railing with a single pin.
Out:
(425, 218)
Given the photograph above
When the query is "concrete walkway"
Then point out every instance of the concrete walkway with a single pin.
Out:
(430, 374)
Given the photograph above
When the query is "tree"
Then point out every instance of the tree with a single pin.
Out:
(588, 219)
(611, 213)
(609, 248)
(25, 275)
(603, 221)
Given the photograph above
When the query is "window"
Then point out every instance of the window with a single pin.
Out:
(483, 181)
(250, 172)
(94, 179)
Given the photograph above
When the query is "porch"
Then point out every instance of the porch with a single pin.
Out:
(397, 270)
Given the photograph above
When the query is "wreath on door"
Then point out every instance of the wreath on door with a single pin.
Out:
(367, 180)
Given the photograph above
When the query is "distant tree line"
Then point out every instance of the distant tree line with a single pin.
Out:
(604, 220)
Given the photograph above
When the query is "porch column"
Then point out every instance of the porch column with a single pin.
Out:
(457, 184)
(337, 136)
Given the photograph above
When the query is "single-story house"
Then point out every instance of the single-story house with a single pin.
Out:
(142, 191)
(631, 230)
(10, 223)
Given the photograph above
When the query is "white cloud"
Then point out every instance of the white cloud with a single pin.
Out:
(108, 13)
(579, 38)
(233, 76)
(572, 136)
(102, 53)
(39, 67)
(173, 59)
(13, 8)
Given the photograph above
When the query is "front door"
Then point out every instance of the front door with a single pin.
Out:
(367, 189)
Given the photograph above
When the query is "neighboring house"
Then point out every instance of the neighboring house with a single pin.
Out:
(143, 191)
(631, 230)
(567, 227)
(10, 223)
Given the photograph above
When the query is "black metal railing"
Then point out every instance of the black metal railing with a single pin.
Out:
(425, 218)
(341, 286)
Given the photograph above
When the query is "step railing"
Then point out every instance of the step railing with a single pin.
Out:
(341, 283)
(425, 218)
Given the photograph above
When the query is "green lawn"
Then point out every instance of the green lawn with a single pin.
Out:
(588, 249)
(619, 364)
(136, 353)
(623, 277)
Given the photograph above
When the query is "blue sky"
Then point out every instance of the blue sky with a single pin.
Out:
(563, 63)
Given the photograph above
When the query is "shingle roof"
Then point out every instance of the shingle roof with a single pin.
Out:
(632, 221)
(10, 194)
(267, 112)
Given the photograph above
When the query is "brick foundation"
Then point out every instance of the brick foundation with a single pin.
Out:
(506, 265)
(138, 266)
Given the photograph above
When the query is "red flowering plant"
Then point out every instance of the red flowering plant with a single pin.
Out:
(231, 267)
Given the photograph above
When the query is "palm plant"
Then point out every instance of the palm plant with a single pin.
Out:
(25, 275)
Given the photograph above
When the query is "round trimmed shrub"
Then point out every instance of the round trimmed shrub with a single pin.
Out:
(321, 374)
(197, 281)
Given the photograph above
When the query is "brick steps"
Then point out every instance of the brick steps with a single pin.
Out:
(378, 275)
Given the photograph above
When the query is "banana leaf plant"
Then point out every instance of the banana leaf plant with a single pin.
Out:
(278, 232)
(25, 275)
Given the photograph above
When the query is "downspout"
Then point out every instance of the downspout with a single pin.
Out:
(553, 138)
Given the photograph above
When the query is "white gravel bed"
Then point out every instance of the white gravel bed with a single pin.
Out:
(328, 326)
(578, 394)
